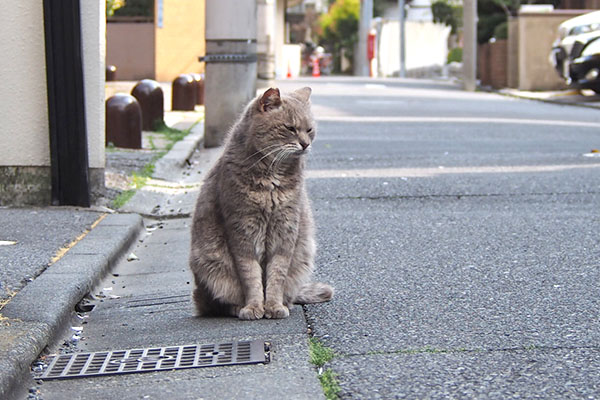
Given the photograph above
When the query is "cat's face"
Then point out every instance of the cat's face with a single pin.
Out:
(283, 125)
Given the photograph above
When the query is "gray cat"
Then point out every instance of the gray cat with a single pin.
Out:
(253, 242)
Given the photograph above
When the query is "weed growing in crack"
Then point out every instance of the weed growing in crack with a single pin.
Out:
(319, 356)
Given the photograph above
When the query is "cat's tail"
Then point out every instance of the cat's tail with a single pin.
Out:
(314, 292)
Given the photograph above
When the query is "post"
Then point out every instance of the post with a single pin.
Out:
(230, 78)
(402, 73)
(66, 110)
(366, 15)
(470, 44)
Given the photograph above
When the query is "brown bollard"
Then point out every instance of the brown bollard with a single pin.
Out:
(199, 83)
(183, 96)
(123, 121)
(111, 73)
(150, 96)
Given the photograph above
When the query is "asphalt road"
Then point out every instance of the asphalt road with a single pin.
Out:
(31, 239)
(460, 230)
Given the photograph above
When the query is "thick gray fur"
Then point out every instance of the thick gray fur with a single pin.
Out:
(253, 248)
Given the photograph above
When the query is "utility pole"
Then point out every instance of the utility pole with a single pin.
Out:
(470, 44)
(230, 65)
(366, 15)
(402, 39)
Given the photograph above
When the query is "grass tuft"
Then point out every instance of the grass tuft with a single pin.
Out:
(122, 198)
(331, 387)
(319, 354)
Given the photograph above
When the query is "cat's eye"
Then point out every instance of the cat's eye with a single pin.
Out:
(290, 128)
(309, 130)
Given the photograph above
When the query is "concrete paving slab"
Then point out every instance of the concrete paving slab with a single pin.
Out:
(38, 313)
(289, 375)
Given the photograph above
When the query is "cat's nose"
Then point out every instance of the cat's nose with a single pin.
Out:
(304, 144)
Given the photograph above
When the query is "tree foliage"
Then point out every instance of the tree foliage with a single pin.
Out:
(493, 13)
(136, 8)
(447, 13)
(339, 28)
(112, 6)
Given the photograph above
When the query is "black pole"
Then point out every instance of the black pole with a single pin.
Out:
(66, 110)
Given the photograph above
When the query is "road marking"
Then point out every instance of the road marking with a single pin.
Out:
(431, 172)
(458, 120)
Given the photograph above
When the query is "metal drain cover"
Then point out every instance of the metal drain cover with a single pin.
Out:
(79, 365)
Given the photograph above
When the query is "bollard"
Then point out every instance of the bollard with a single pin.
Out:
(111, 73)
(183, 96)
(199, 84)
(124, 121)
(150, 96)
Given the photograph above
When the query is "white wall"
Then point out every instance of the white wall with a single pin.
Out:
(24, 139)
(426, 45)
(93, 30)
(24, 132)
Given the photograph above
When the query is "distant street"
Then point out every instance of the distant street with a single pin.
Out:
(460, 230)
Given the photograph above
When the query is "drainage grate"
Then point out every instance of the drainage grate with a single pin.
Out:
(79, 365)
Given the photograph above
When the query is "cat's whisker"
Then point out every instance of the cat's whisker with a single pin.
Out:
(265, 156)
(260, 151)
(284, 154)
(278, 157)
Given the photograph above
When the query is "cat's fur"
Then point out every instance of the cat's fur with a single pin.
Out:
(252, 247)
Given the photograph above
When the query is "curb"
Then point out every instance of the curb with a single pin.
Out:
(549, 100)
(177, 158)
(36, 315)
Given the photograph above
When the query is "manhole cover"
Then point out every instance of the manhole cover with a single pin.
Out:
(80, 365)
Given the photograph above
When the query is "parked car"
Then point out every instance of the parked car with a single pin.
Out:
(576, 53)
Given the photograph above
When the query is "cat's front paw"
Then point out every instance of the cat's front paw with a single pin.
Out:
(276, 311)
(252, 311)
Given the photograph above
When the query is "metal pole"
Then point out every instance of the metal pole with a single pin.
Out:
(470, 44)
(366, 15)
(402, 40)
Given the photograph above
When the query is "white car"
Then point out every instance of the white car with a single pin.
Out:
(574, 36)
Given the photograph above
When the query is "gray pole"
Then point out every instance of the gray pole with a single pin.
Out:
(230, 65)
(469, 44)
(366, 15)
(402, 40)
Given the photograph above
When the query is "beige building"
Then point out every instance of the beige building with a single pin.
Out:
(25, 160)
(161, 47)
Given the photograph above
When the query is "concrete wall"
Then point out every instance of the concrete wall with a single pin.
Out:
(180, 40)
(130, 47)
(513, 53)
(93, 30)
(25, 176)
(419, 36)
(280, 62)
(536, 32)
(24, 139)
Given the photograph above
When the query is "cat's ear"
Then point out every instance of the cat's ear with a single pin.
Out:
(270, 100)
(303, 94)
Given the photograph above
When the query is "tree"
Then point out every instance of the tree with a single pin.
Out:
(447, 13)
(339, 29)
(495, 13)
(112, 6)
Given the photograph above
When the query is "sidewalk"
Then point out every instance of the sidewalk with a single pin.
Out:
(54, 256)
(565, 97)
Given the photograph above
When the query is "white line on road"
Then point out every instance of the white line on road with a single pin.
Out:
(430, 172)
(458, 120)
